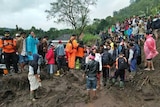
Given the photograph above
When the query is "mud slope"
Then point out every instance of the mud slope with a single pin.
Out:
(69, 91)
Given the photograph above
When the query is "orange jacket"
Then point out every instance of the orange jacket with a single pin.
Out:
(8, 45)
(80, 52)
(71, 46)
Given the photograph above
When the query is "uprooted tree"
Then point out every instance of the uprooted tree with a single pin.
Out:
(73, 12)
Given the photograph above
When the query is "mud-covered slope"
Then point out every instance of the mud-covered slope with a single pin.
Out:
(69, 91)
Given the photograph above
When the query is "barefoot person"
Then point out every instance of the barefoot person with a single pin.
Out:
(150, 51)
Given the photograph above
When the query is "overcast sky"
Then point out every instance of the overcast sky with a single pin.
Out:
(28, 13)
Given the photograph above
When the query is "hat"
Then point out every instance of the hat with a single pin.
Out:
(59, 41)
(17, 35)
(52, 44)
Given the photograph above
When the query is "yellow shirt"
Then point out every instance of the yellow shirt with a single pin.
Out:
(112, 45)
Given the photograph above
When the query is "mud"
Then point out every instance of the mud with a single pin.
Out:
(69, 91)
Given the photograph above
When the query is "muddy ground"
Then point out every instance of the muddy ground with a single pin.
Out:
(69, 91)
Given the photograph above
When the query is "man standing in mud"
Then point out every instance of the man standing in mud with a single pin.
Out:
(60, 56)
(8, 44)
(21, 49)
(91, 71)
(71, 49)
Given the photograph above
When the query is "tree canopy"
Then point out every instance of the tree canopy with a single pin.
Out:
(72, 12)
(137, 7)
(76, 14)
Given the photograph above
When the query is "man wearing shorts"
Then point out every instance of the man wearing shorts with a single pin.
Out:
(21, 48)
(91, 71)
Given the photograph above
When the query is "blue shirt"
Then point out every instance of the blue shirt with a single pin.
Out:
(31, 46)
(60, 50)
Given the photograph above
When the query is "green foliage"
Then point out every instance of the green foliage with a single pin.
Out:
(136, 7)
(90, 39)
(77, 11)
(140, 7)
(52, 33)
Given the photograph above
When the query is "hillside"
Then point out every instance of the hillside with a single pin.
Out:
(69, 91)
(140, 7)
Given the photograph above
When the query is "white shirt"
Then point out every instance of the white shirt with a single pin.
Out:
(23, 53)
(135, 30)
(130, 55)
(98, 58)
(31, 71)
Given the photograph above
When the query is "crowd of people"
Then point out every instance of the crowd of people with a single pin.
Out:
(121, 51)
(118, 52)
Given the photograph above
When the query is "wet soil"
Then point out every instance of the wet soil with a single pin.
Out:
(69, 91)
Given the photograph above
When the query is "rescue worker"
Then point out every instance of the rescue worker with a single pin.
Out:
(80, 55)
(71, 49)
(8, 45)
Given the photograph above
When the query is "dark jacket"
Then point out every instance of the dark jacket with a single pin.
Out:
(34, 63)
(149, 25)
(92, 68)
(106, 58)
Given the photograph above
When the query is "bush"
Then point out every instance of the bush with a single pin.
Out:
(90, 39)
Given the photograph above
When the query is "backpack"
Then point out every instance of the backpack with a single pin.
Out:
(156, 24)
(106, 58)
(122, 64)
